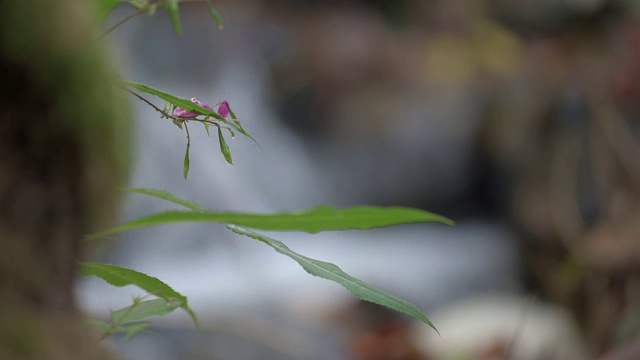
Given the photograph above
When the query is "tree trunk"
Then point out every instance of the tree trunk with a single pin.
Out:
(62, 157)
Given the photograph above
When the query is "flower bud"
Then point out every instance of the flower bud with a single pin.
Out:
(223, 109)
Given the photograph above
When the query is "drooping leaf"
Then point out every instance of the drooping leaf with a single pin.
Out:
(174, 14)
(185, 166)
(322, 218)
(104, 7)
(119, 276)
(165, 195)
(329, 271)
(214, 14)
(142, 310)
(239, 127)
(206, 127)
(224, 147)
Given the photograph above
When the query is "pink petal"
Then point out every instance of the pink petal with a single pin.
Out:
(223, 109)
(182, 113)
(198, 102)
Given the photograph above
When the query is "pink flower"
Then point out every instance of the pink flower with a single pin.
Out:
(223, 109)
(198, 102)
(183, 113)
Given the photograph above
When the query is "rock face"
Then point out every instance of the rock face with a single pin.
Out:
(62, 156)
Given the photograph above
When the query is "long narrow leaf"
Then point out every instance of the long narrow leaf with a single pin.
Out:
(224, 147)
(167, 196)
(185, 165)
(119, 276)
(323, 218)
(329, 271)
(172, 8)
(145, 309)
(214, 14)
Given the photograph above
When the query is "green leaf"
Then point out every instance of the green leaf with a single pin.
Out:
(132, 329)
(224, 147)
(240, 127)
(104, 7)
(323, 218)
(185, 166)
(165, 195)
(119, 276)
(206, 127)
(214, 14)
(329, 271)
(172, 8)
(103, 327)
(142, 310)
(178, 122)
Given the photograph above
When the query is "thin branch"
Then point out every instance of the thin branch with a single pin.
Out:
(135, 14)
(147, 101)
(188, 135)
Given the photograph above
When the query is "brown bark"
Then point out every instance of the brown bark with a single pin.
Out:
(61, 159)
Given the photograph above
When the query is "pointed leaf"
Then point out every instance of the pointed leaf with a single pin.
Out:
(240, 127)
(145, 309)
(165, 195)
(329, 271)
(214, 14)
(206, 127)
(172, 8)
(119, 276)
(178, 122)
(224, 147)
(323, 218)
(133, 329)
(185, 166)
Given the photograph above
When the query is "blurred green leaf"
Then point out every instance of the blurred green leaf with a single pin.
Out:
(329, 271)
(104, 7)
(323, 218)
(132, 329)
(206, 127)
(103, 327)
(224, 147)
(165, 195)
(214, 14)
(172, 8)
(119, 276)
(185, 166)
(142, 310)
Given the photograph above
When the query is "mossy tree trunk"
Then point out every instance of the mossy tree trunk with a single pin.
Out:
(62, 156)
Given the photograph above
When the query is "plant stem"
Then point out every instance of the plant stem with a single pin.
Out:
(135, 14)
